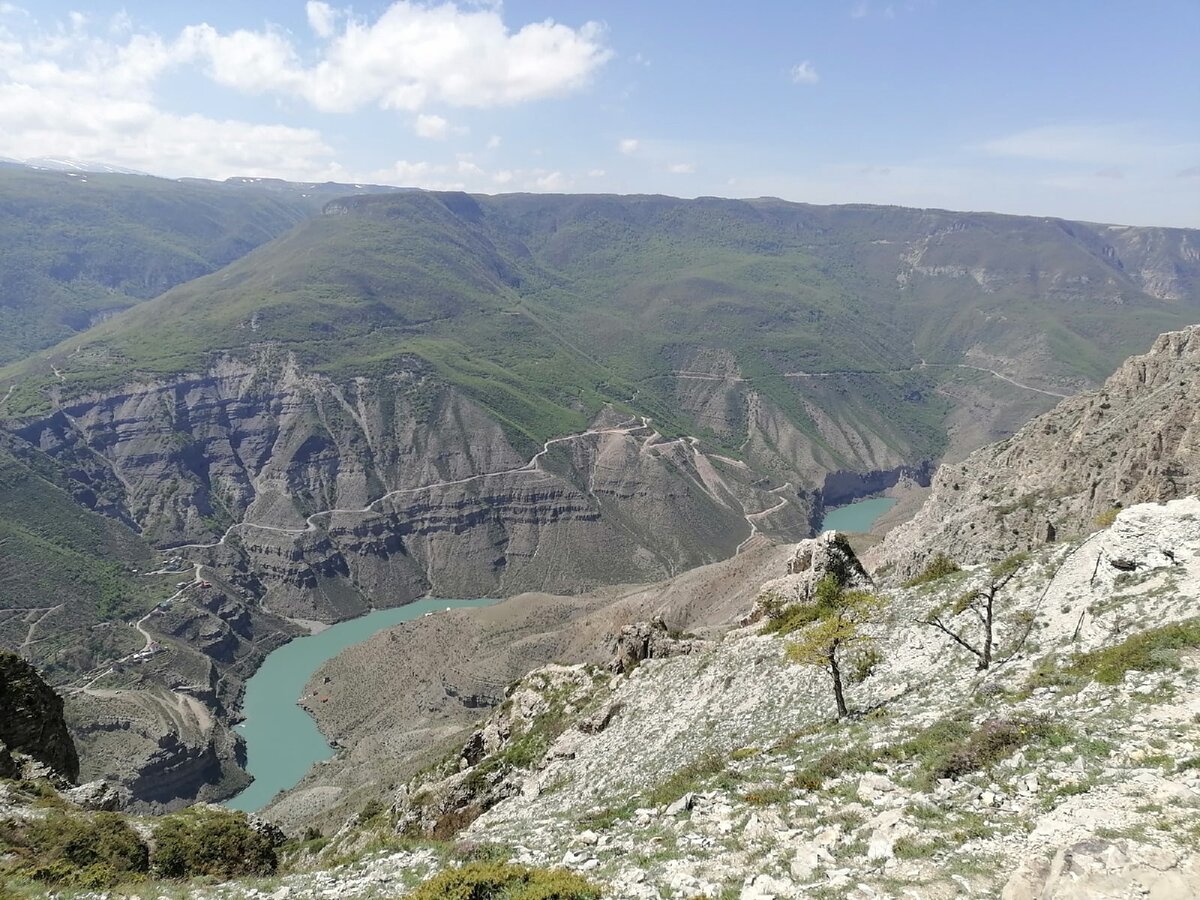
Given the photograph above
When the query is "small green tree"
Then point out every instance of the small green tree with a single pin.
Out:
(835, 632)
(981, 602)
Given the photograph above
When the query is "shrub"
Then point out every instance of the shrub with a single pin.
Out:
(210, 842)
(864, 664)
(502, 881)
(832, 763)
(938, 567)
(1106, 517)
(1155, 650)
(990, 743)
(96, 852)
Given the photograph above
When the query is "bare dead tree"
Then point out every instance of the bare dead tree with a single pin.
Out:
(981, 603)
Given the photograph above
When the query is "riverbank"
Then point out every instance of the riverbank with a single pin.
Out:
(282, 740)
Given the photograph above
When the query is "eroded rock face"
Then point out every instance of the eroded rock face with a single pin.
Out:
(324, 497)
(31, 720)
(1135, 440)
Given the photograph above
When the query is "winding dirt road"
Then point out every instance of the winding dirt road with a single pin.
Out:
(528, 468)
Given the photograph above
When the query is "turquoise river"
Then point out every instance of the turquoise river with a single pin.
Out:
(282, 741)
(857, 517)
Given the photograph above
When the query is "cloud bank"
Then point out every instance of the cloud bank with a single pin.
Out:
(87, 89)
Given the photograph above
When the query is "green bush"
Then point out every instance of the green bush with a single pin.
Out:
(502, 881)
(96, 852)
(863, 665)
(1155, 650)
(209, 842)
(991, 742)
(783, 620)
(938, 567)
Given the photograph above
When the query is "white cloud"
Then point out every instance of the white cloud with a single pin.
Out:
(409, 57)
(596, 173)
(493, 142)
(1090, 144)
(431, 127)
(551, 181)
(68, 93)
(804, 73)
(322, 18)
(87, 88)
(628, 146)
(466, 175)
(682, 168)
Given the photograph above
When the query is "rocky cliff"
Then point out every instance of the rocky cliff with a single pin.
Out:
(1134, 440)
(327, 500)
(31, 721)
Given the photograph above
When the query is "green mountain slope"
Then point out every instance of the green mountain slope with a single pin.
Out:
(66, 569)
(75, 249)
(545, 308)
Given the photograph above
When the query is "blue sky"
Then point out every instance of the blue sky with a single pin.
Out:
(1076, 109)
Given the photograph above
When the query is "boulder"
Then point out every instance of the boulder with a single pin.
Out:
(829, 553)
(1096, 869)
(98, 796)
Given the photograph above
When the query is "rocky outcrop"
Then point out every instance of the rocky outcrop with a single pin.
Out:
(1137, 439)
(640, 641)
(31, 721)
(98, 796)
(828, 553)
(500, 758)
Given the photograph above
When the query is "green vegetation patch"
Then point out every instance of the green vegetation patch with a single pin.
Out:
(685, 779)
(994, 740)
(217, 843)
(1155, 650)
(74, 851)
(503, 881)
(938, 567)
(950, 748)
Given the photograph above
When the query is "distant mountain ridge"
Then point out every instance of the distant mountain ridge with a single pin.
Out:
(80, 242)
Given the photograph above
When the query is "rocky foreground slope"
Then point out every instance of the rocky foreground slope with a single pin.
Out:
(1069, 769)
